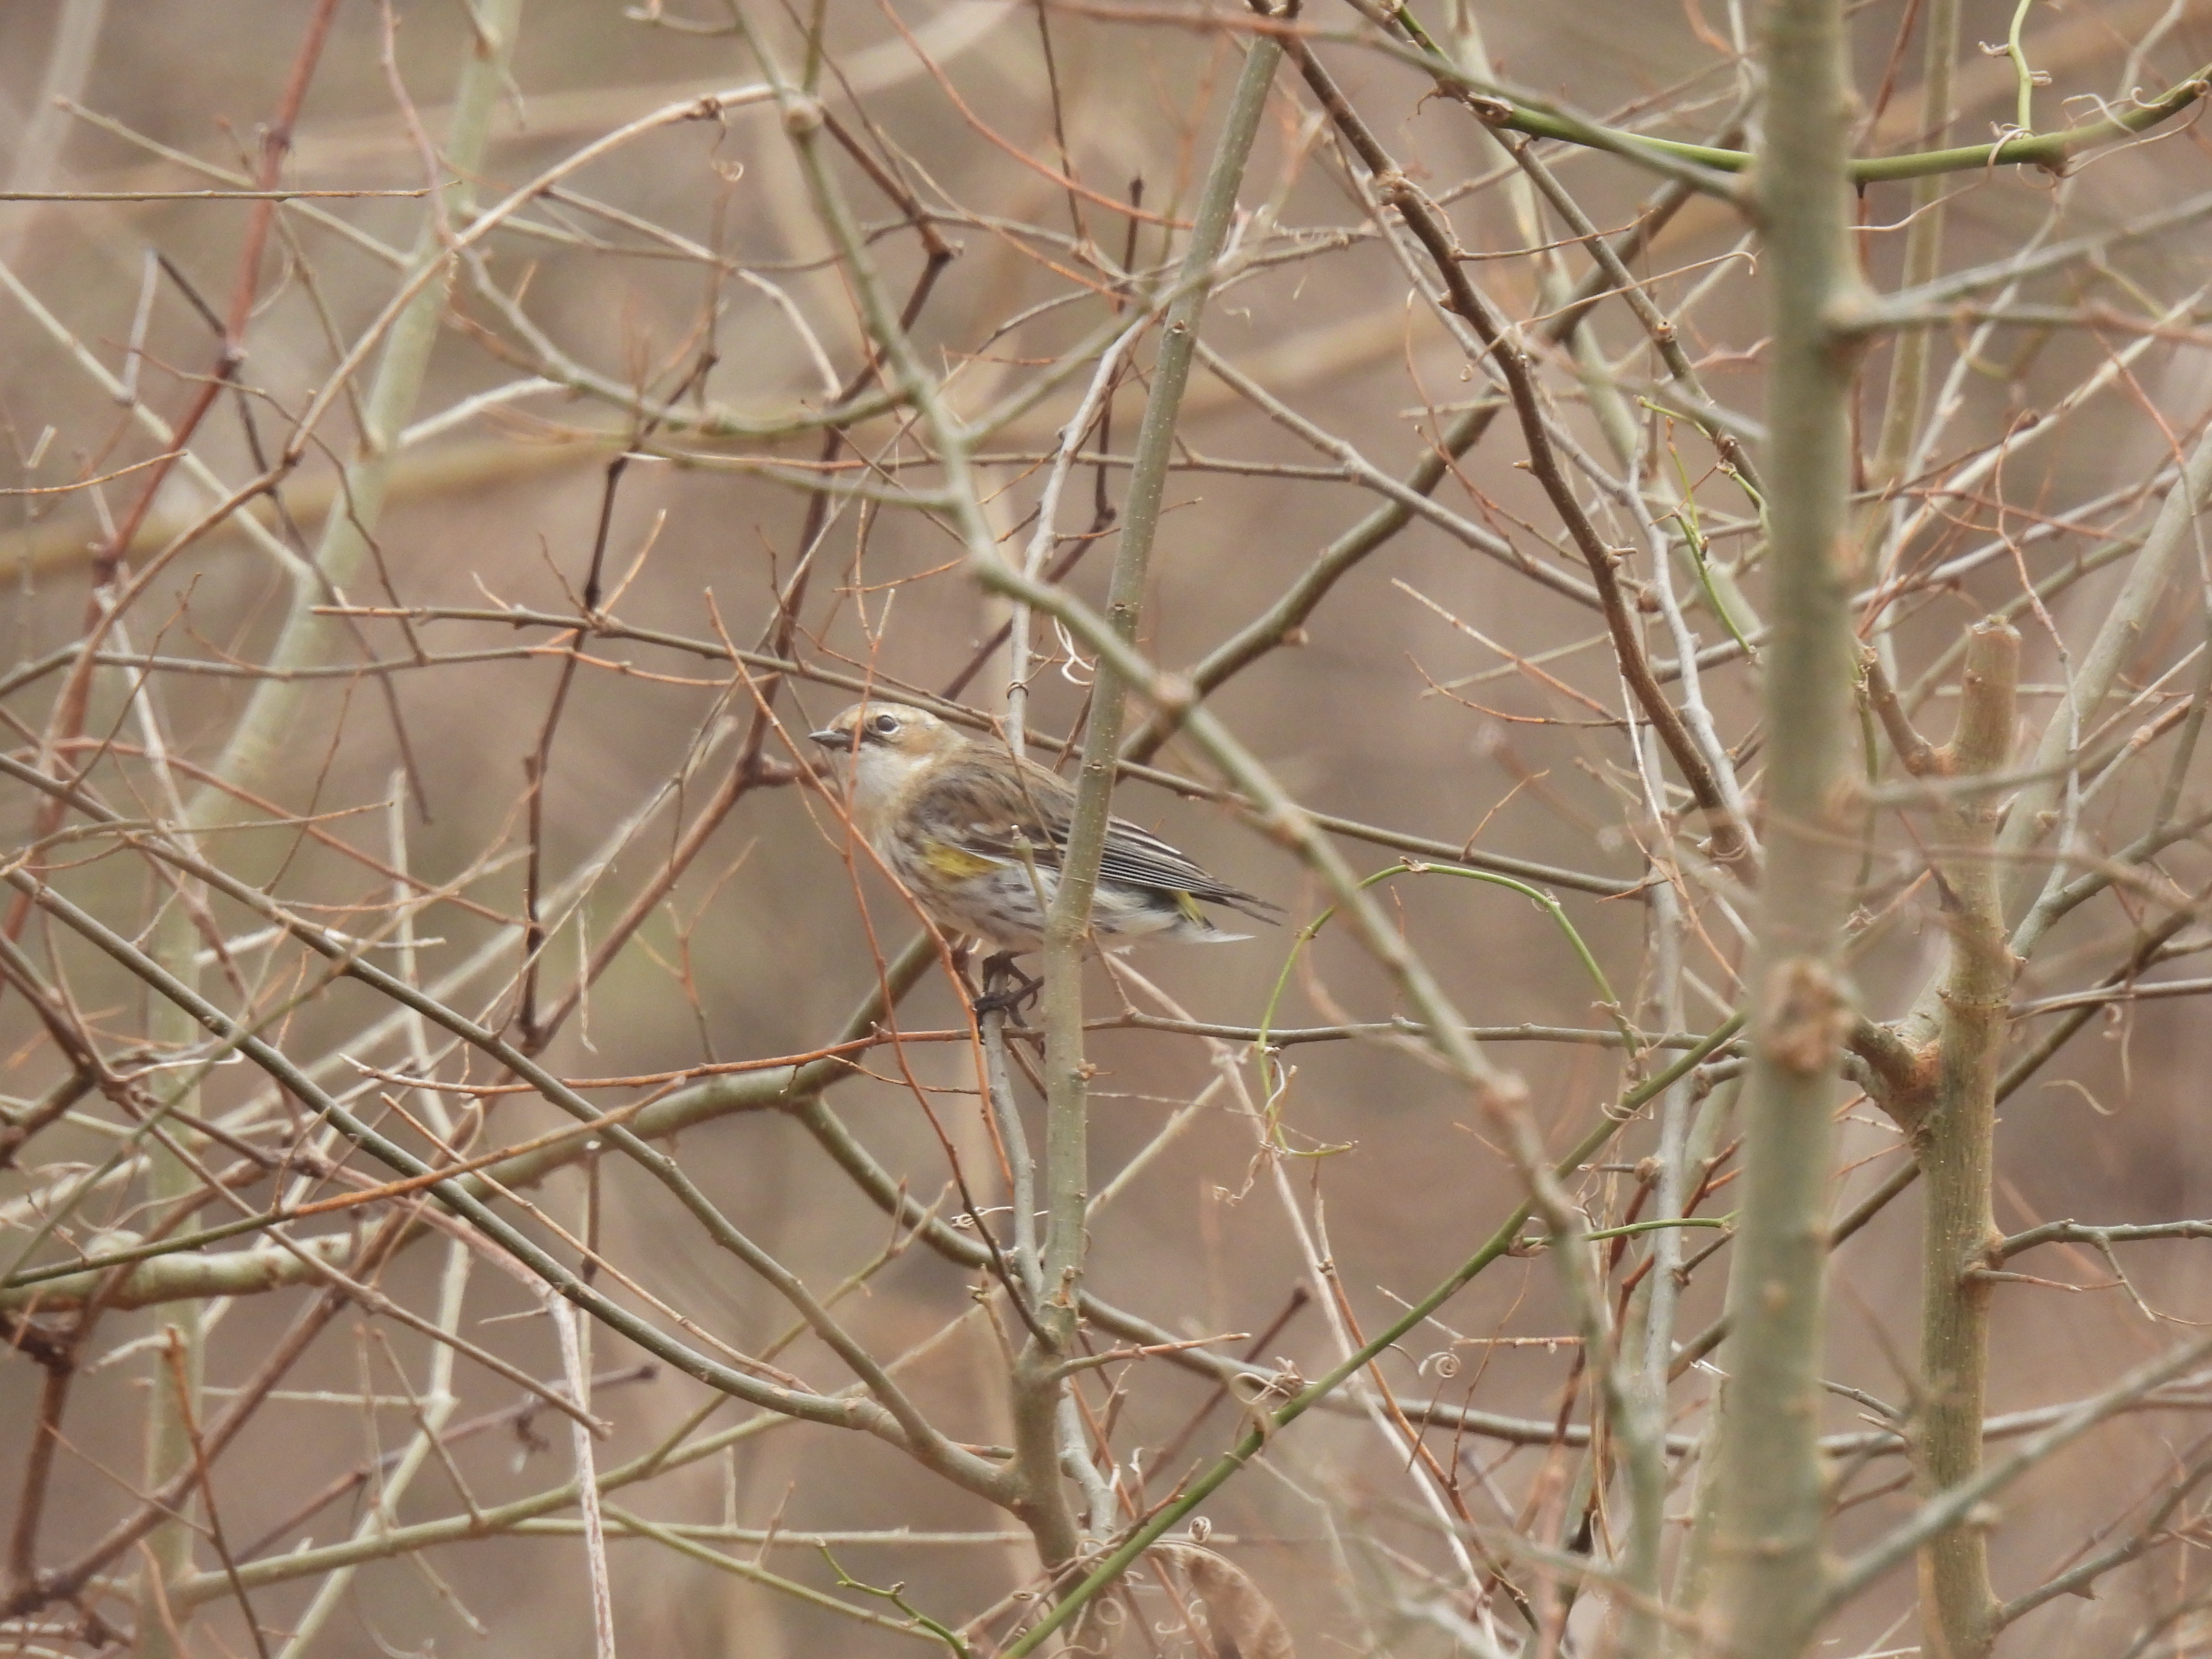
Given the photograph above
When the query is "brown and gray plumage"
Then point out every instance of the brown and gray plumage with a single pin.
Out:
(977, 835)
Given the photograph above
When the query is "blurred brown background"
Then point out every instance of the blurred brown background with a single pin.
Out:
(763, 949)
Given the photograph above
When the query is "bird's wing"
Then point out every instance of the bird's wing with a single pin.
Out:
(1135, 857)
(1138, 857)
(998, 813)
(993, 812)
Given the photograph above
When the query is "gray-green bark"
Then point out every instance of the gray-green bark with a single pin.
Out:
(1956, 1143)
(1770, 1503)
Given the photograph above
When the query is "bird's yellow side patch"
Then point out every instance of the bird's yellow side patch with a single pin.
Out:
(953, 863)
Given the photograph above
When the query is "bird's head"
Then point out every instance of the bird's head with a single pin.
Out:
(888, 743)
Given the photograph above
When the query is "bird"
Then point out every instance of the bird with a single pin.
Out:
(976, 835)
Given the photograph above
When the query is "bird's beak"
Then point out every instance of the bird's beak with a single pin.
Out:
(831, 739)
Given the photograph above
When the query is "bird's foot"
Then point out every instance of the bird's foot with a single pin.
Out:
(1006, 987)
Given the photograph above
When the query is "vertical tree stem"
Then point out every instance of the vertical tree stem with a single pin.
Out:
(1956, 1149)
(1067, 1181)
(1037, 1497)
(1069, 924)
(1769, 1509)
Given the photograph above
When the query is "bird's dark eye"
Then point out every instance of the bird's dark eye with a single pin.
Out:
(885, 726)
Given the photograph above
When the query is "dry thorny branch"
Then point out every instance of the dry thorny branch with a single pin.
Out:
(1688, 587)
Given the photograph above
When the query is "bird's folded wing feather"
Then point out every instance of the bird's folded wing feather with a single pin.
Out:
(993, 818)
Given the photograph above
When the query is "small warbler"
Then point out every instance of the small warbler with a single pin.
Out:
(976, 835)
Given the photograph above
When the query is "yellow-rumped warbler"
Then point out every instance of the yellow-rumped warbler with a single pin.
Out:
(976, 835)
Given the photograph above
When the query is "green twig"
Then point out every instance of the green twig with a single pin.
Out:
(1636, 1227)
(1550, 905)
(2029, 79)
(895, 1595)
(1693, 538)
(1698, 164)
